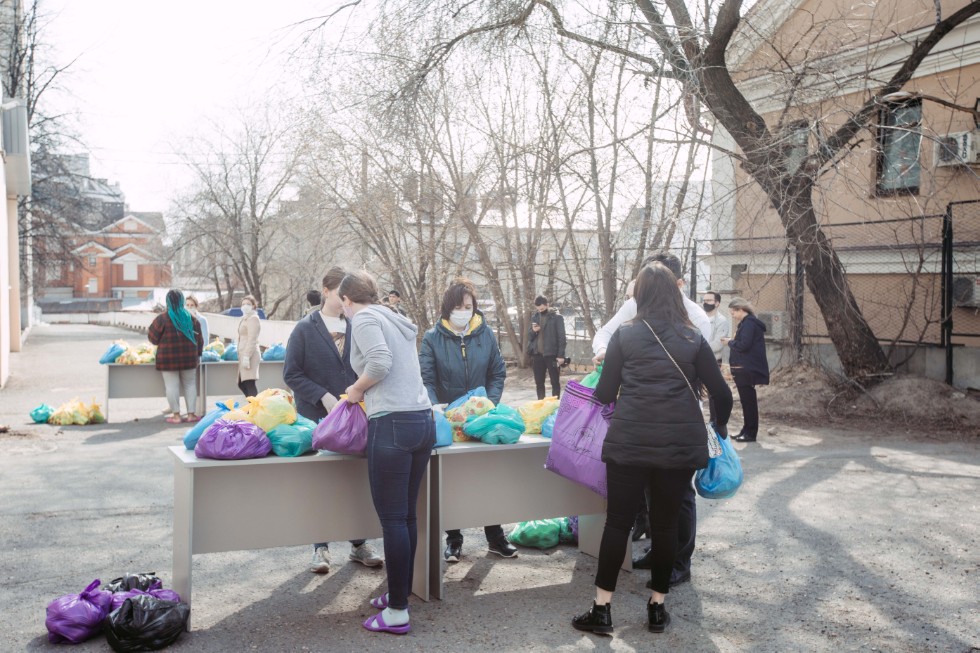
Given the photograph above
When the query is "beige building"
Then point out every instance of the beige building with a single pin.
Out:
(806, 66)
(15, 181)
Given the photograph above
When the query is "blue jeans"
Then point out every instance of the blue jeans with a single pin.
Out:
(398, 450)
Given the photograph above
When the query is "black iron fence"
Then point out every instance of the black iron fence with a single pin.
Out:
(916, 279)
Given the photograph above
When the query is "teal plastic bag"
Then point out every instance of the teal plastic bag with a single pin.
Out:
(444, 430)
(210, 356)
(195, 432)
(591, 379)
(502, 425)
(276, 352)
(114, 351)
(291, 440)
(231, 353)
(549, 425)
(723, 475)
(41, 414)
(539, 534)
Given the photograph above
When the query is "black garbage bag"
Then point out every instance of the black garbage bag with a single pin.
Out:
(146, 623)
(128, 582)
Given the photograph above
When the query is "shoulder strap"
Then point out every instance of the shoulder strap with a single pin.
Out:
(684, 376)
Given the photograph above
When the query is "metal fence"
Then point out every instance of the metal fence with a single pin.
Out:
(916, 279)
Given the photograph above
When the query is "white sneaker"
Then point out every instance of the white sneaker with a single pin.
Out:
(365, 555)
(321, 561)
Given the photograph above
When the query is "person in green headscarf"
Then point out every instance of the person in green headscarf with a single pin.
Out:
(177, 335)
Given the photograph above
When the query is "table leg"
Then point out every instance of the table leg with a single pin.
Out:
(435, 528)
(183, 553)
(420, 574)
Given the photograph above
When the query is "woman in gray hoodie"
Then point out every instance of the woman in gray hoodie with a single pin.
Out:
(401, 434)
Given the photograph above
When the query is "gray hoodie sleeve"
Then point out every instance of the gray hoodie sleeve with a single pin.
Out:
(367, 333)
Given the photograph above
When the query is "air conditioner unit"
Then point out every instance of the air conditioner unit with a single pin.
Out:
(777, 324)
(957, 150)
(966, 291)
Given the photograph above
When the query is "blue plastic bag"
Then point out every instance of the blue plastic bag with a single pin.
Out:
(231, 353)
(114, 351)
(195, 432)
(502, 425)
(444, 430)
(210, 356)
(41, 414)
(549, 425)
(723, 475)
(476, 392)
(276, 352)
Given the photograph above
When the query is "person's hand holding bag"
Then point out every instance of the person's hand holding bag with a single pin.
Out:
(328, 401)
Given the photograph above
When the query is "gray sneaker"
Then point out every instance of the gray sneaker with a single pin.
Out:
(321, 561)
(365, 555)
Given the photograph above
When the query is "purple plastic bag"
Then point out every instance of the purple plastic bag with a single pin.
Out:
(343, 430)
(576, 440)
(156, 590)
(73, 618)
(226, 440)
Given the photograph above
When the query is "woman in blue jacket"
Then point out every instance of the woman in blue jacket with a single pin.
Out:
(318, 370)
(460, 354)
(749, 364)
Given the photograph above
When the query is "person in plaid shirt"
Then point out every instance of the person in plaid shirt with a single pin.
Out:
(177, 335)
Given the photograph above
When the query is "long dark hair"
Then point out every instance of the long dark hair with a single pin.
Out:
(658, 297)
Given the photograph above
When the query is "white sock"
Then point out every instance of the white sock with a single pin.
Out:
(394, 617)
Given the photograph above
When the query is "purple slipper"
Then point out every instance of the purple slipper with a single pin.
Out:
(381, 602)
(376, 624)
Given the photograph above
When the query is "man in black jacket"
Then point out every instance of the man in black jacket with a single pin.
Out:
(546, 345)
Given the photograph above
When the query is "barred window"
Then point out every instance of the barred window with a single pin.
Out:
(899, 139)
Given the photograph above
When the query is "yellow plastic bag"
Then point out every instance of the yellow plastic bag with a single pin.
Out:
(236, 415)
(276, 392)
(77, 412)
(536, 412)
(95, 415)
(270, 411)
(457, 416)
(216, 346)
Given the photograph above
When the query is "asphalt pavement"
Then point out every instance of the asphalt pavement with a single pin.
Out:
(839, 540)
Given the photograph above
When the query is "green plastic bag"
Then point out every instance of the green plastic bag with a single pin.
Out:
(41, 414)
(591, 379)
(539, 533)
(291, 440)
(502, 425)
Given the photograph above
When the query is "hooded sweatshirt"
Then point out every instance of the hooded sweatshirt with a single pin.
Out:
(383, 348)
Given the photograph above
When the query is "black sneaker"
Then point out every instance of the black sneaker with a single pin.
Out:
(744, 437)
(502, 548)
(453, 552)
(597, 620)
(657, 617)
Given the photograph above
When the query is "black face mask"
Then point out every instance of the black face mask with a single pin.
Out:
(709, 307)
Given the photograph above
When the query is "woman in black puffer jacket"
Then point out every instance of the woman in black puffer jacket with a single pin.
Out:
(656, 438)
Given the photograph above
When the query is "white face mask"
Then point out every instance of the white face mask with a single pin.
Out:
(193, 311)
(247, 309)
(349, 312)
(460, 317)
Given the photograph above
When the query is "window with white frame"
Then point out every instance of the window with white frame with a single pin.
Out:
(130, 271)
(899, 139)
(93, 286)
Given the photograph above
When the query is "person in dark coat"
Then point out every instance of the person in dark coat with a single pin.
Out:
(460, 354)
(546, 345)
(656, 438)
(177, 335)
(749, 364)
(317, 370)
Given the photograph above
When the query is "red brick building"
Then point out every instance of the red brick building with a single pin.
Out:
(124, 260)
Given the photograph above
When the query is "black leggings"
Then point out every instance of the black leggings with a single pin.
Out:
(247, 387)
(626, 484)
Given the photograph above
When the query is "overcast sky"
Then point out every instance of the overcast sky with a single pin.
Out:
(149, 71)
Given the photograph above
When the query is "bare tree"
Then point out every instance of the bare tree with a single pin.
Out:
(690, 49)
(234, 216)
